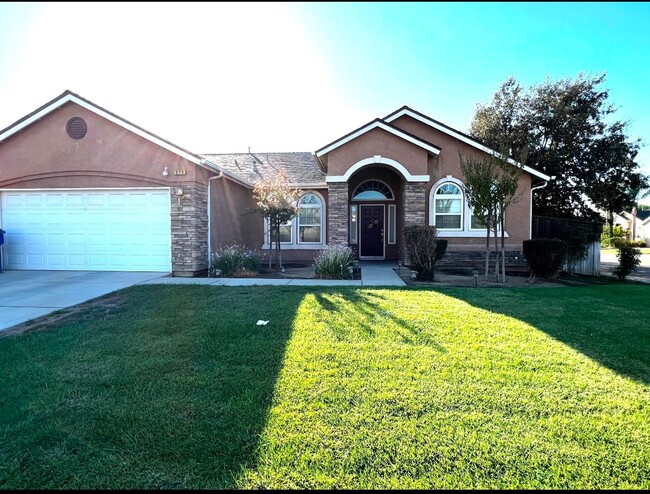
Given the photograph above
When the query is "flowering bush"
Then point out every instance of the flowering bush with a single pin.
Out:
(234, 260)
(333, 262)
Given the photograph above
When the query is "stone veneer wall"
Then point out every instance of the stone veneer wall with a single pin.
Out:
(414, 203)
(515, 260)
(189, 221)
(337, 216)
(414, 212)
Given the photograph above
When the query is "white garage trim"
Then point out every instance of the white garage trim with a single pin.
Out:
(89, 229)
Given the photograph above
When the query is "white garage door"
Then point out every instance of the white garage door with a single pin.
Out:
(93, 230)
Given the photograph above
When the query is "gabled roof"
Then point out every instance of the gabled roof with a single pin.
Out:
(643, 215)
(302, 168)
(69, 96)
(405, 110)
(378, 123)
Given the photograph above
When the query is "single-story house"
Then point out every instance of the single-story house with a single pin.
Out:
(638, 225)
(84, 189)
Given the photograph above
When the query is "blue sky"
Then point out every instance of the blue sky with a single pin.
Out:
(220, 77)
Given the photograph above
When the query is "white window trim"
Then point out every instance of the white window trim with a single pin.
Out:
(432, 204)
(322, 220)
(267, 234)
(295, 244)
(391, 227)
(372, 180)
(354, 239)
(465, 231)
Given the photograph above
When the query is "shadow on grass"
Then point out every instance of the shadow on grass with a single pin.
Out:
(171, 391)
(607, 323)
(351, 312)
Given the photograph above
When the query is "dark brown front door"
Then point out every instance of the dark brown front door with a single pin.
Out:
(372, 231)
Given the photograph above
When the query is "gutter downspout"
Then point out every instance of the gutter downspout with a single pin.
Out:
(209, 219)
(530, 220)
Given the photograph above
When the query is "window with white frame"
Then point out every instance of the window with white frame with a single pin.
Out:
(450, 212)
(354, 221)
(310, 219)
(306, 228)
(392, 221)
(448, 206)
(285, 233)
(372, 190)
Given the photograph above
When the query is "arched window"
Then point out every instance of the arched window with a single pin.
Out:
(448, 207)
(372, 190)
(310, 219)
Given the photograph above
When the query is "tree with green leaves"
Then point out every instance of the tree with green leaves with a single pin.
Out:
(616, 187)
(567, 130)
(277, 202)
(491, 184)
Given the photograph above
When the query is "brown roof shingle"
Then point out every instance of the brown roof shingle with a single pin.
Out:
(301, 167)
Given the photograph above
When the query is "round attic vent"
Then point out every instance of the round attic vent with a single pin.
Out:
(76, 127)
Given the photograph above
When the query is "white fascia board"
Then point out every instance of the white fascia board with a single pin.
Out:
(380, 125)
(308, 185)
(410, 178)
(466, 140)
(101, 113)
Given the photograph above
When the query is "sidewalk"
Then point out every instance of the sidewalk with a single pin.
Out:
(372, 274)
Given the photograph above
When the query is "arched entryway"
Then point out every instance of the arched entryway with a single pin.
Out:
(375, 209)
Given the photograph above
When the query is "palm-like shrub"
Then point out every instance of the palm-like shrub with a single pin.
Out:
(234, 260)
(333, 263)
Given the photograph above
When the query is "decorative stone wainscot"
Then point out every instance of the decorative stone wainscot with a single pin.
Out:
(189, 222)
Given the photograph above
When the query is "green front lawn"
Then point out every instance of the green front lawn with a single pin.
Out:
(177, 387)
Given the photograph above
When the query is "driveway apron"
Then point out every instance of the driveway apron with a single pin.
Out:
(25, 295)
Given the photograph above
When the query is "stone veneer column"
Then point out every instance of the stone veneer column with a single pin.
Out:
(414, 210)
(414, 203)
(189, 222)
(337, 213)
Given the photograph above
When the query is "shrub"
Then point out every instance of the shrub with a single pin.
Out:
(544, 256)
(333, 263)
(234, 260)
(618, 234)
(422, 245)
(441, 249)
(628, 259)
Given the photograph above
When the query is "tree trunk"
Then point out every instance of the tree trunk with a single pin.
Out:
(496, 253)
(610, 217)
(487, 250)
(503, 253)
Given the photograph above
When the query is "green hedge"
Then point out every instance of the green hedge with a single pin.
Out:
(545, 256)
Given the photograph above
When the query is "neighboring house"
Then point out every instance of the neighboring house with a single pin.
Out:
(81, 188)
(638, 226)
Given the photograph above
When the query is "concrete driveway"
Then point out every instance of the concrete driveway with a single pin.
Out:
(25, 295)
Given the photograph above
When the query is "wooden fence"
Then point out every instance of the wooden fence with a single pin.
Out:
(548, 227)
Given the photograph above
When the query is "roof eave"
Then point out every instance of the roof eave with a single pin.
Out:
(405, 110)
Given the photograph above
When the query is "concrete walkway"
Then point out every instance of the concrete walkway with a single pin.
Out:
(372, 274)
